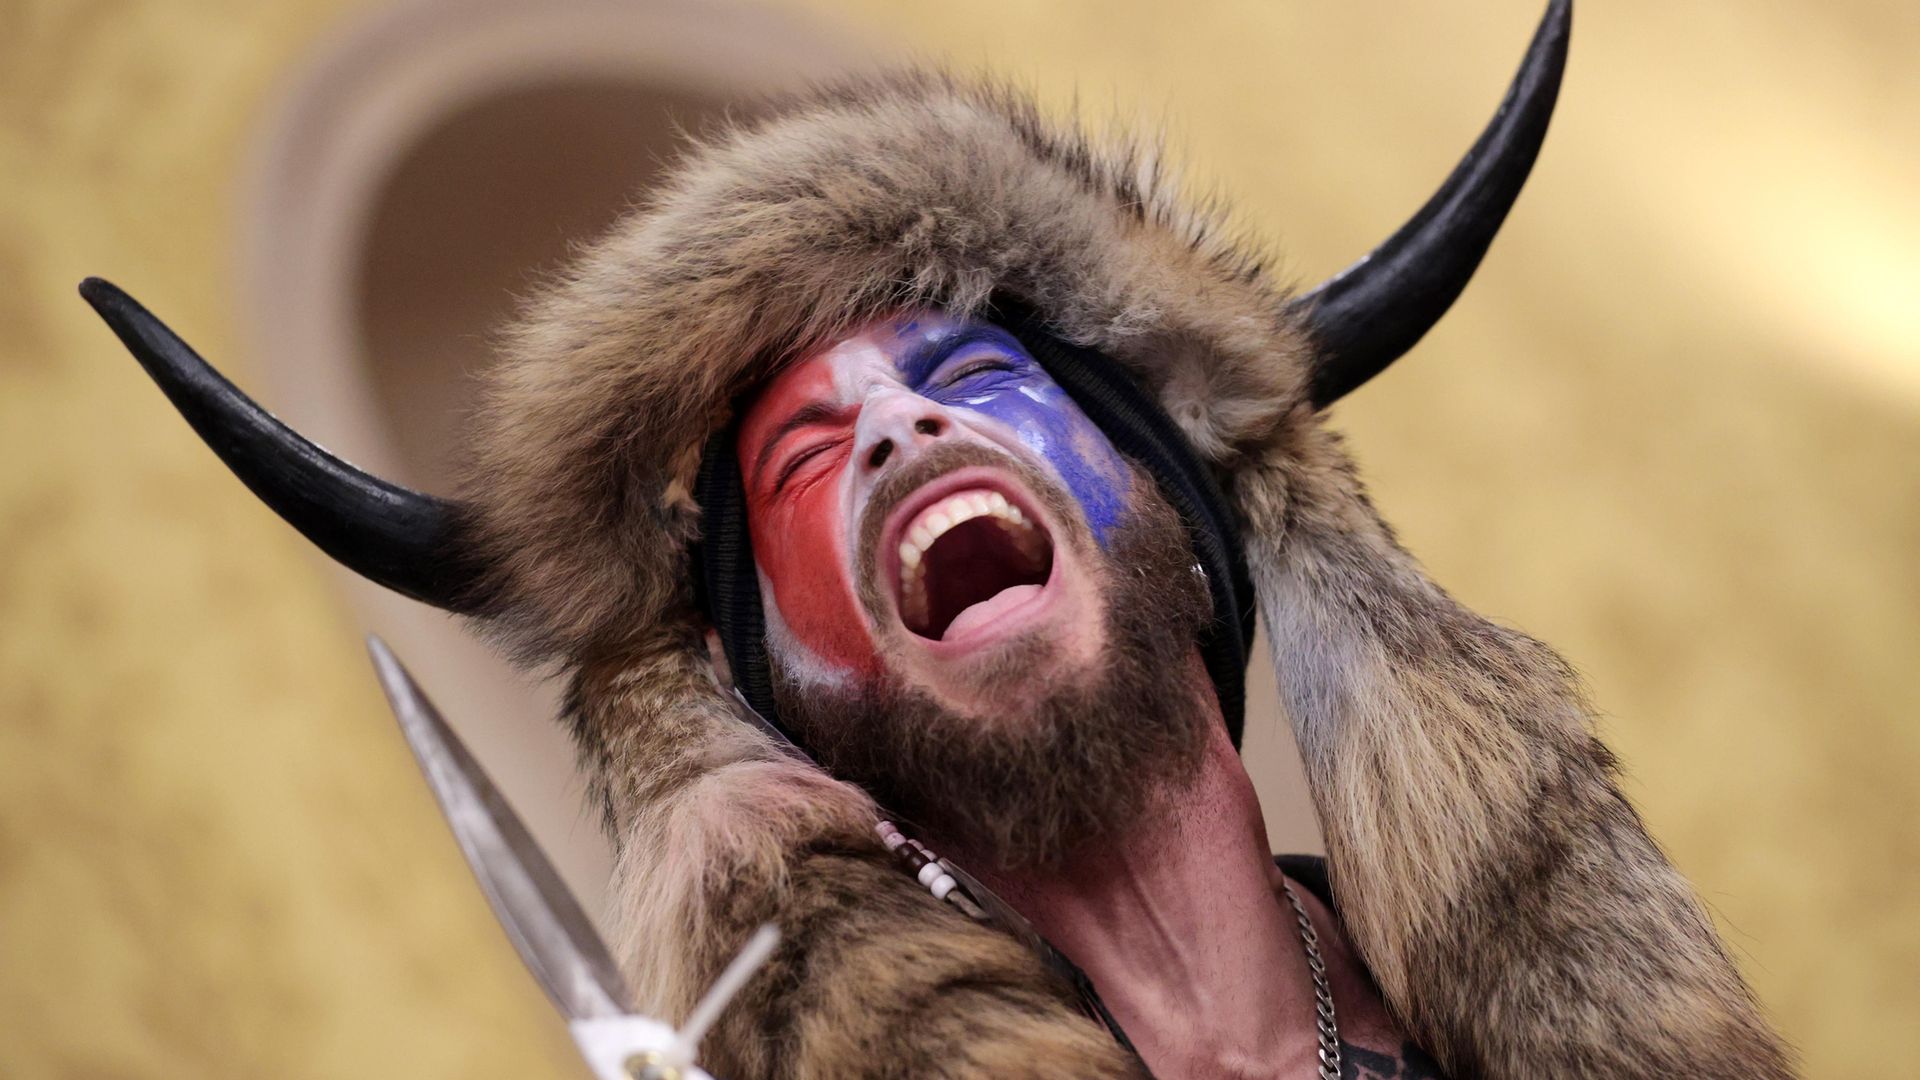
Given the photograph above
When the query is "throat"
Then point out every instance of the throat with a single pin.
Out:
(1180, 926)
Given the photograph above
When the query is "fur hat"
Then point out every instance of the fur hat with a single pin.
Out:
(913, 191)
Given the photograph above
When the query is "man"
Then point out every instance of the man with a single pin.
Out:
(981, 612)
(972, 446)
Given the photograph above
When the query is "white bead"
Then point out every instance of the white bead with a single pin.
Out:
(944, 886)
(929, 873)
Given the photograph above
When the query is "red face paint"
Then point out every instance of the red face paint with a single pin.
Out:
(800, 529)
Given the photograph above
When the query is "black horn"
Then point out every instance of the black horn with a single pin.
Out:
(1369, 314)
(409, 542)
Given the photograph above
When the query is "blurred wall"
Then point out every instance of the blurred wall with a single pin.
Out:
(1672, 429)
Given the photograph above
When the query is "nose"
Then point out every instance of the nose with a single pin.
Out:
(894, 427)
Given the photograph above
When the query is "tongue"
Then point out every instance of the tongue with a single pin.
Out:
(984, 612)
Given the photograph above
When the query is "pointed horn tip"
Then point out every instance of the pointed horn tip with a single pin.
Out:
(1559, 16)
(1556, 28)
(120, 311)
(100, 293)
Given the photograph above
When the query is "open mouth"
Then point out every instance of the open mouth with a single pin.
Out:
(967, 558)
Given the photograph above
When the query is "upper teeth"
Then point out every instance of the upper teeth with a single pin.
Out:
(934, 522)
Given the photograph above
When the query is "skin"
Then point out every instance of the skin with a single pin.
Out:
(1208, 982)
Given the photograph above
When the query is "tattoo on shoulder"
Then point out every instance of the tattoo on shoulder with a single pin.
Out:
(1410, 1063)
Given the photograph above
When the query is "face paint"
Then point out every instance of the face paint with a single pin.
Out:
(984, 370)
(804, 499)
(798, 514)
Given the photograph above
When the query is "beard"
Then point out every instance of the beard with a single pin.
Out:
(1071, 754)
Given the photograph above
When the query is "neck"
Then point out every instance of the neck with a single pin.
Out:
(1178, 923)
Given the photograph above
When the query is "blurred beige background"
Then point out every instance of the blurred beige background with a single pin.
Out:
(1673, 429)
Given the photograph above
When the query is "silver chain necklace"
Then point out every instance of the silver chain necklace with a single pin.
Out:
(1324, 1023)
(949, 883)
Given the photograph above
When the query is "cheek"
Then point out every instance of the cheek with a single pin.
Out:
(801, 547)
(1049, 424)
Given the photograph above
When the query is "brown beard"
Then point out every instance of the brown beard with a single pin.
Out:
(1071, 757)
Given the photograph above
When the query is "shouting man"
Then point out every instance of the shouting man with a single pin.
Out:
(972, 449)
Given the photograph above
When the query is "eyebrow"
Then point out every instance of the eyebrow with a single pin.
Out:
(919, 362)
(819, 412)
(926, 356)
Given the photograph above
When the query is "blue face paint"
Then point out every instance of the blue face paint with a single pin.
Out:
(983, 369)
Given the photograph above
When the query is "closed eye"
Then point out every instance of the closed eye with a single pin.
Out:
(978, 367)
(799, 459)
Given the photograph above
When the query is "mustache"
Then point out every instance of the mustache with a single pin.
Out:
(1062, 512)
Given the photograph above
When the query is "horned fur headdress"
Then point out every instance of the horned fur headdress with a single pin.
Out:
(1500, 890)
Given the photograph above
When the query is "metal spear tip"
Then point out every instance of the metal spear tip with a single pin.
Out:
(553, 935)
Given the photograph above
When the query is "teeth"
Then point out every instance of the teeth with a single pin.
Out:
(934, 522)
